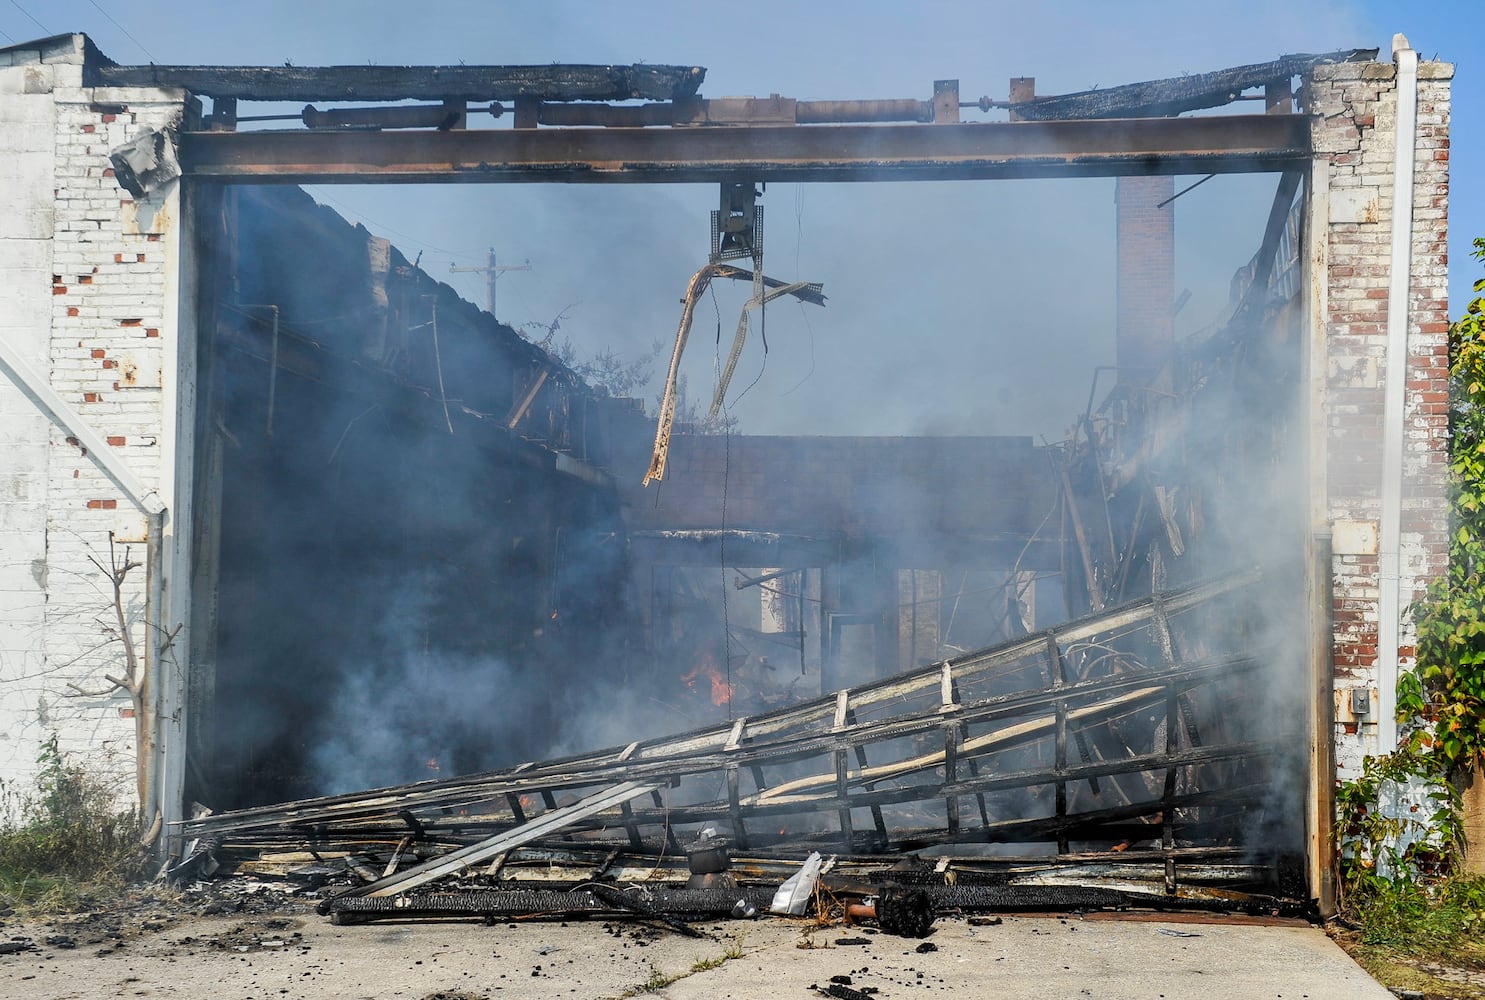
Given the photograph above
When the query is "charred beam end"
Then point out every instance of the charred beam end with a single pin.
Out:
(1225, 144)
(395, 83)
(1178, 94)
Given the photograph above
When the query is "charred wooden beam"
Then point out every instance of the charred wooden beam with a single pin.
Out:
(701, 903)
(1256, 295)
(1183, 93)
(486, 849)
(1225, 144)
(665, 903)
(556, 82)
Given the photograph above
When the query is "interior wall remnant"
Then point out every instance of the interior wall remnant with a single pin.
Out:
(882, 523)
(405, 579)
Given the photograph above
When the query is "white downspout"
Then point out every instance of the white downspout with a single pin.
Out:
(1389, 597)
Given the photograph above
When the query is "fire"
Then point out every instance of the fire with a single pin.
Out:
(721, 691)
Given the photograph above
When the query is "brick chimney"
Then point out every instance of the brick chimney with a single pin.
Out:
(1147, 276)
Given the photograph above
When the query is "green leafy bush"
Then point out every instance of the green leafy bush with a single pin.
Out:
(71, 839)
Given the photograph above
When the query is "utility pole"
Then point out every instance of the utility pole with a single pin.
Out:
(492, 272)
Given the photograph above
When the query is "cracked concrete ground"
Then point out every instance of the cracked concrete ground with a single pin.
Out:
(299, 955)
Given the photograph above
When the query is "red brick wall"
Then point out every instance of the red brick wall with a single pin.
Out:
(1355, 107)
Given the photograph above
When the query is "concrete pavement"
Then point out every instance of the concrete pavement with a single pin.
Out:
(301, 955)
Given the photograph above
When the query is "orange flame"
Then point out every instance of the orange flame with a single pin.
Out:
(721, 691)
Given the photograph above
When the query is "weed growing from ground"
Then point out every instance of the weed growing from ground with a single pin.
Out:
(66, 841)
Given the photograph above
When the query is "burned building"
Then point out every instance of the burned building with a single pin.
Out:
(221, 397)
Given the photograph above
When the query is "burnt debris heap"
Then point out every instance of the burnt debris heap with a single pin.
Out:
(1128, 740)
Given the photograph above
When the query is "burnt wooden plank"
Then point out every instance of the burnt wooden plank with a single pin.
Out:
(1174, 95)
(876, 811)
(555, 82)
(475, 853)
(734, 808)
(1099, 823)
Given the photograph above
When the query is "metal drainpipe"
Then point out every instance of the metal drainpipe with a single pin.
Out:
(154, 672)
(1389, 594)
(1322, 722)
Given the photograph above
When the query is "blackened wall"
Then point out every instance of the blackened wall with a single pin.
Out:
(404, 584)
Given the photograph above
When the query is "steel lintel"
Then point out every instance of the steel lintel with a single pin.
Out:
(1094, 148)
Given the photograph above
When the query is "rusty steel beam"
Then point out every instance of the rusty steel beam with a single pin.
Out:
(1100, 148)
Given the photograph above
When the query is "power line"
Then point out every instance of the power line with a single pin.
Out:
(7, 37)
(17, 6)
(148, 54)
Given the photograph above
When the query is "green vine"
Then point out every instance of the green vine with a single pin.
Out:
(1381, 844)
(1441, 704)
(1445, 697)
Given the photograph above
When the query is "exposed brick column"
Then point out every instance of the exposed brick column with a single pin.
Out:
(1147, 275)
(1355, 108)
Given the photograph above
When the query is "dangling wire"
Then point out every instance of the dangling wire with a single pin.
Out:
(722, 550)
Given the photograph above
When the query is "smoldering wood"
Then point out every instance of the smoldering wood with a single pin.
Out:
(556, 82)
(937, 734)
(1175, 95)
(673, 756)
(570, 863)
(710, 903)
(786, 797)
(783, 736)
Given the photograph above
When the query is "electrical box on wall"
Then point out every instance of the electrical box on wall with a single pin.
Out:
(1356, 704)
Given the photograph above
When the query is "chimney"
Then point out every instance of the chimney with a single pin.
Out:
(1147, 276)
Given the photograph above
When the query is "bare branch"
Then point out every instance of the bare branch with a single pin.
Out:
(84, 693)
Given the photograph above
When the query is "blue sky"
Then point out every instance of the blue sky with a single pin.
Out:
(949, 302)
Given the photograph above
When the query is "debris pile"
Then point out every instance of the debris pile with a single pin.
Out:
(1114, 741)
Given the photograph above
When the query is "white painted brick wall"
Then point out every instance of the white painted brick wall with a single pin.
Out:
(83, 281)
